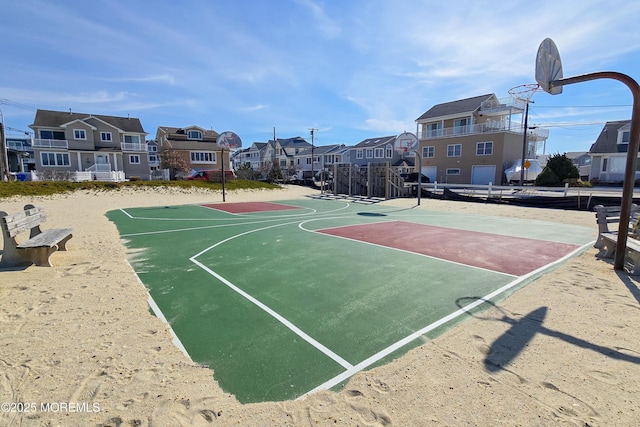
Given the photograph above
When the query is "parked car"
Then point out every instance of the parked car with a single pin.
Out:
(530, 174)
(211, 175)
(411, 180)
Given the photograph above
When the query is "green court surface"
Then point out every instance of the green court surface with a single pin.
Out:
(278, 306)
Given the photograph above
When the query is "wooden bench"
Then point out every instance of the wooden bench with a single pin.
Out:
(40, 245)
(608, 238)
(606, 215)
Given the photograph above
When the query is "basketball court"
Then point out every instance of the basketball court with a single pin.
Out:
(281, 299)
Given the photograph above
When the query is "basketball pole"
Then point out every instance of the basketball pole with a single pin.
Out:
(632, 154)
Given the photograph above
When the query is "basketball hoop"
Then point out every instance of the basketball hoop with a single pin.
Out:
(406, 141)
(524, 92)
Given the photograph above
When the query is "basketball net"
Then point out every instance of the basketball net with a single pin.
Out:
(524, 93)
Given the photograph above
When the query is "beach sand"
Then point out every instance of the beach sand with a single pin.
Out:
(79, 347)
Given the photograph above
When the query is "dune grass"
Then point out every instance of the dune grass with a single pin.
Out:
(47, 188)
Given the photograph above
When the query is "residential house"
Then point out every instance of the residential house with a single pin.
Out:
(324, 157)
(20, 153)
(197, 147)
(253, 155)
(581, 160)
(474, 140)
(285, 151)
(89, 146)
(375, 150)
(609, 152)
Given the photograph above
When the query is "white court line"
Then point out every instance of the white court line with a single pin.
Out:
(399, 344)
(263, 306)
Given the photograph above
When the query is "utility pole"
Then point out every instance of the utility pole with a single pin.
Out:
(312, 147)
(4, 167)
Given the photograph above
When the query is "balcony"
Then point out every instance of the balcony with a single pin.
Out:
(481, 128)
(134, 146)
(502, 107)
(50, 143)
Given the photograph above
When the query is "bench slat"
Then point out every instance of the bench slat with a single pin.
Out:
(47, 238)
(23, 221)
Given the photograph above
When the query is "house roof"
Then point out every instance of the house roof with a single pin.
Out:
(461, 106)
(607, 141)
(54, 119)
(183, 131)
(376, 142)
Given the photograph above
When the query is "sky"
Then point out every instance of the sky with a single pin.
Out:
(349, 69)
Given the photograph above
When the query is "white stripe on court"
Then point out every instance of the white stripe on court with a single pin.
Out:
(399, 344)
(278, 317)
(263, 306)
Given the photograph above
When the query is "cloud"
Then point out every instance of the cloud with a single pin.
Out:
(324, 24)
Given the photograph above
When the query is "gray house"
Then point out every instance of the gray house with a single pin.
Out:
(609, 152)
(84, 146)
(375, 150)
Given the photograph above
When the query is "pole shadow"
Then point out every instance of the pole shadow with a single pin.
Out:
(507, 347)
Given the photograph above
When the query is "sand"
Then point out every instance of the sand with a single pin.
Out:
(79, 347)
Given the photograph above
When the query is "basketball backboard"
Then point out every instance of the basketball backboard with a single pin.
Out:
(548, 67)
(229, 140)
(406, 142)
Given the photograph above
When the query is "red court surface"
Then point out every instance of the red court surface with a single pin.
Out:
(506, 254)
(249, 207)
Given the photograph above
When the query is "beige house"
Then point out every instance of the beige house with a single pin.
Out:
(82, 146)
(197, 146)
(473, 140)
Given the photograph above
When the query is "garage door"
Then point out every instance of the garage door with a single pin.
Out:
(431, 172)
(483, 175)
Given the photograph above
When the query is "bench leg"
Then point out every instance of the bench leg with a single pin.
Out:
(608, 249)
(62, 245)
(40, 256)
(635, 260)
(13, 257)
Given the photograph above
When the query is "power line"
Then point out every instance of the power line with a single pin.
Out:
(5, 101)
(583, 106)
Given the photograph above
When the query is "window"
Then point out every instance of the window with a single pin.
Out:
(453, 171)
(359, 154)
(369, 153)
(624, 137)
(134, 159)
(434, 130)
(132, 139)
(484, 148)
(454, 150)
(79, 134)
(428, 152)
(52, 134)
(389, 151)
(105, 136)
(308, 160)
(194, 134)
(605, 162)
(203, 157)
(378, 153)
(54, 159)
(460, 126)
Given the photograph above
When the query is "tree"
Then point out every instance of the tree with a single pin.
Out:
(172, 160)
(246, 172)
(559, 168)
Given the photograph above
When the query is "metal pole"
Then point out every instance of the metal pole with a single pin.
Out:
(222, 156)
(524, 143)
(632, 155)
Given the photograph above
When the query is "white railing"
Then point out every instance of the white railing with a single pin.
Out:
(51, 143)
(479, 128)
(79, 176)
(99, 167)
(134, 146)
